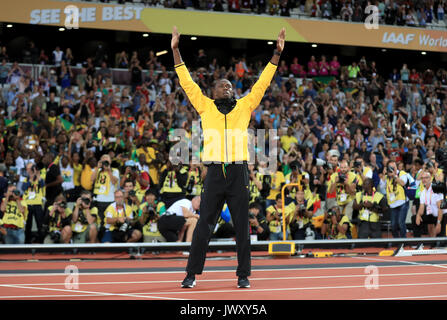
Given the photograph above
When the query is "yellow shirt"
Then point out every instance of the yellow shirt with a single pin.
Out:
(287, 141)
(277, 180)
(342, 196)
(82, 223)
(77, 169)
(13, 216)
(366, 214)
(111, 212)
(225, 136)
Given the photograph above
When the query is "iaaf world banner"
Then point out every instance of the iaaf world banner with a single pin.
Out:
(130, 17)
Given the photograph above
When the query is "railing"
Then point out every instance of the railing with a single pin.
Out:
(230, 245)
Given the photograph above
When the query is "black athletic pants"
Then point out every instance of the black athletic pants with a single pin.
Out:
(223, 184)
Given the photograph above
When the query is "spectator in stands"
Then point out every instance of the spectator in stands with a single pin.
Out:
(58, 56)
(346, 12)
(312, 67)
(334, 66)
(136, 76)
(4, 70)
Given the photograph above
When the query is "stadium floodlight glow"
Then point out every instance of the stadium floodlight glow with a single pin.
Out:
(193, 38)
(383, 50)
(160, 53)
(314, 45)
(423, 53)
(61, 29)
(9, 26)
(270, 43)
(145, 35)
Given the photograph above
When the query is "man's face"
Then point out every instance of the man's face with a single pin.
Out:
(344, 168)
(150, 198)
(119, 198)
(223, 89)
(333, 160)
(196, 203)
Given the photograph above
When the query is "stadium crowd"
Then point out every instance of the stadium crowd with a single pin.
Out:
(85, 160)
(418, 13)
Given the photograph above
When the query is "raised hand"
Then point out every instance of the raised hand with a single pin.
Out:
(281, 40)
(175, 38)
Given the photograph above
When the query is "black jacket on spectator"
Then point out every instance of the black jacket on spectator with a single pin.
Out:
(52, 192)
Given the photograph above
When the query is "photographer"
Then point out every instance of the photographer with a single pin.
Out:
(343, 183)
(393, 186)
(149, 212)
(140, 180)
(180, 220)
(172, 183)
(429, 211)
(33, 188)
(58, 222)
(339, 225)
(194, 181)
(296, 176)
(14, 212)
(84, 219)
(258, 223)
(119, 222)
(371, 205)
(274, 219)
(332, 167)
(363, 172)
(299, 216)
(255, 185)
(105, 181)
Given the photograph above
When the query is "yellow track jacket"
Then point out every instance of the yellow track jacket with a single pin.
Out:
(225, 137)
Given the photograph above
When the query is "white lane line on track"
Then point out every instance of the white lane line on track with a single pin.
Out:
(296, 289)
(414, 263)
(147, 296)
(230, 279)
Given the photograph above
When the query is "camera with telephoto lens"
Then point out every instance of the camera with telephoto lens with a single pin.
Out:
(62, 205)
(389, 169)
(55, 236)
(357, 164)
(106, 164)
(251, 215)
(124, 227)
(301, 210)
(151, 212)
(331, 212)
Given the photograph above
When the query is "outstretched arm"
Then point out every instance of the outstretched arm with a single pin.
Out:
(174, 46)
(258, 90)
(199, 101)
(279, 47)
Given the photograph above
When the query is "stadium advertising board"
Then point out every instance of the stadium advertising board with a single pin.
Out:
(202, 23)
